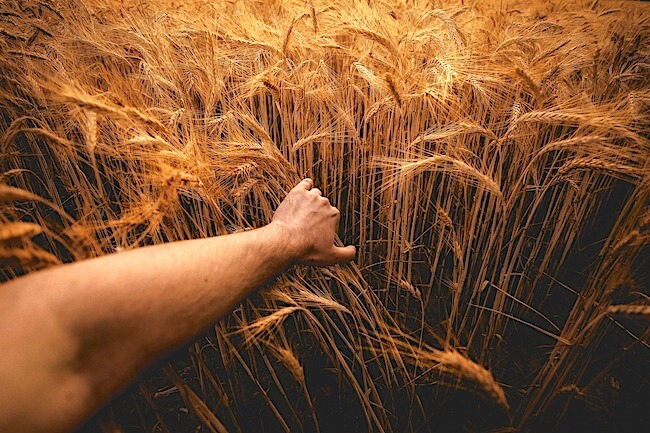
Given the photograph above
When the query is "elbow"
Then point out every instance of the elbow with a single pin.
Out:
(41, 391)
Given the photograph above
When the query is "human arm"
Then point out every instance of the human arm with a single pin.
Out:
(74, 335)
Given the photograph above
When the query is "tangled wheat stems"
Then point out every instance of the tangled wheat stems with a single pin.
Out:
(490, 161)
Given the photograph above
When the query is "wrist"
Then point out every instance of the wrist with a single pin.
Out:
(286, 240)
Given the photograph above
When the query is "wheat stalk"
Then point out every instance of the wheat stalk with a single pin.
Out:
(10, 194)
(632, 311)
(18, 230)
(27, 257)
(455, 362)
(436, 162)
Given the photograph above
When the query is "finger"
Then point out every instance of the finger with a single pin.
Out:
(305, 184)
(317, 191)
(336, 216)
(344, 254)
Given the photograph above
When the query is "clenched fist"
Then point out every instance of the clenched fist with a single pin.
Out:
(310, 223)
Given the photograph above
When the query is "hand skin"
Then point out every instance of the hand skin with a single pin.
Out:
(74, 335)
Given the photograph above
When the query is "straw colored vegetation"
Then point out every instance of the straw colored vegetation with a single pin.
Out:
(491, 160)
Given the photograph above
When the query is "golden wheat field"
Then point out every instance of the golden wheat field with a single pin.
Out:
(491, 161)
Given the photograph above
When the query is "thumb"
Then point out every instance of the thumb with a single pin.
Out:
(344, 254)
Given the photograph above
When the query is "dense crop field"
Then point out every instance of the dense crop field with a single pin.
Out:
(491, 161)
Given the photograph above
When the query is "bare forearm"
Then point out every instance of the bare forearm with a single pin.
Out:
(161, 296)
(117, 313)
